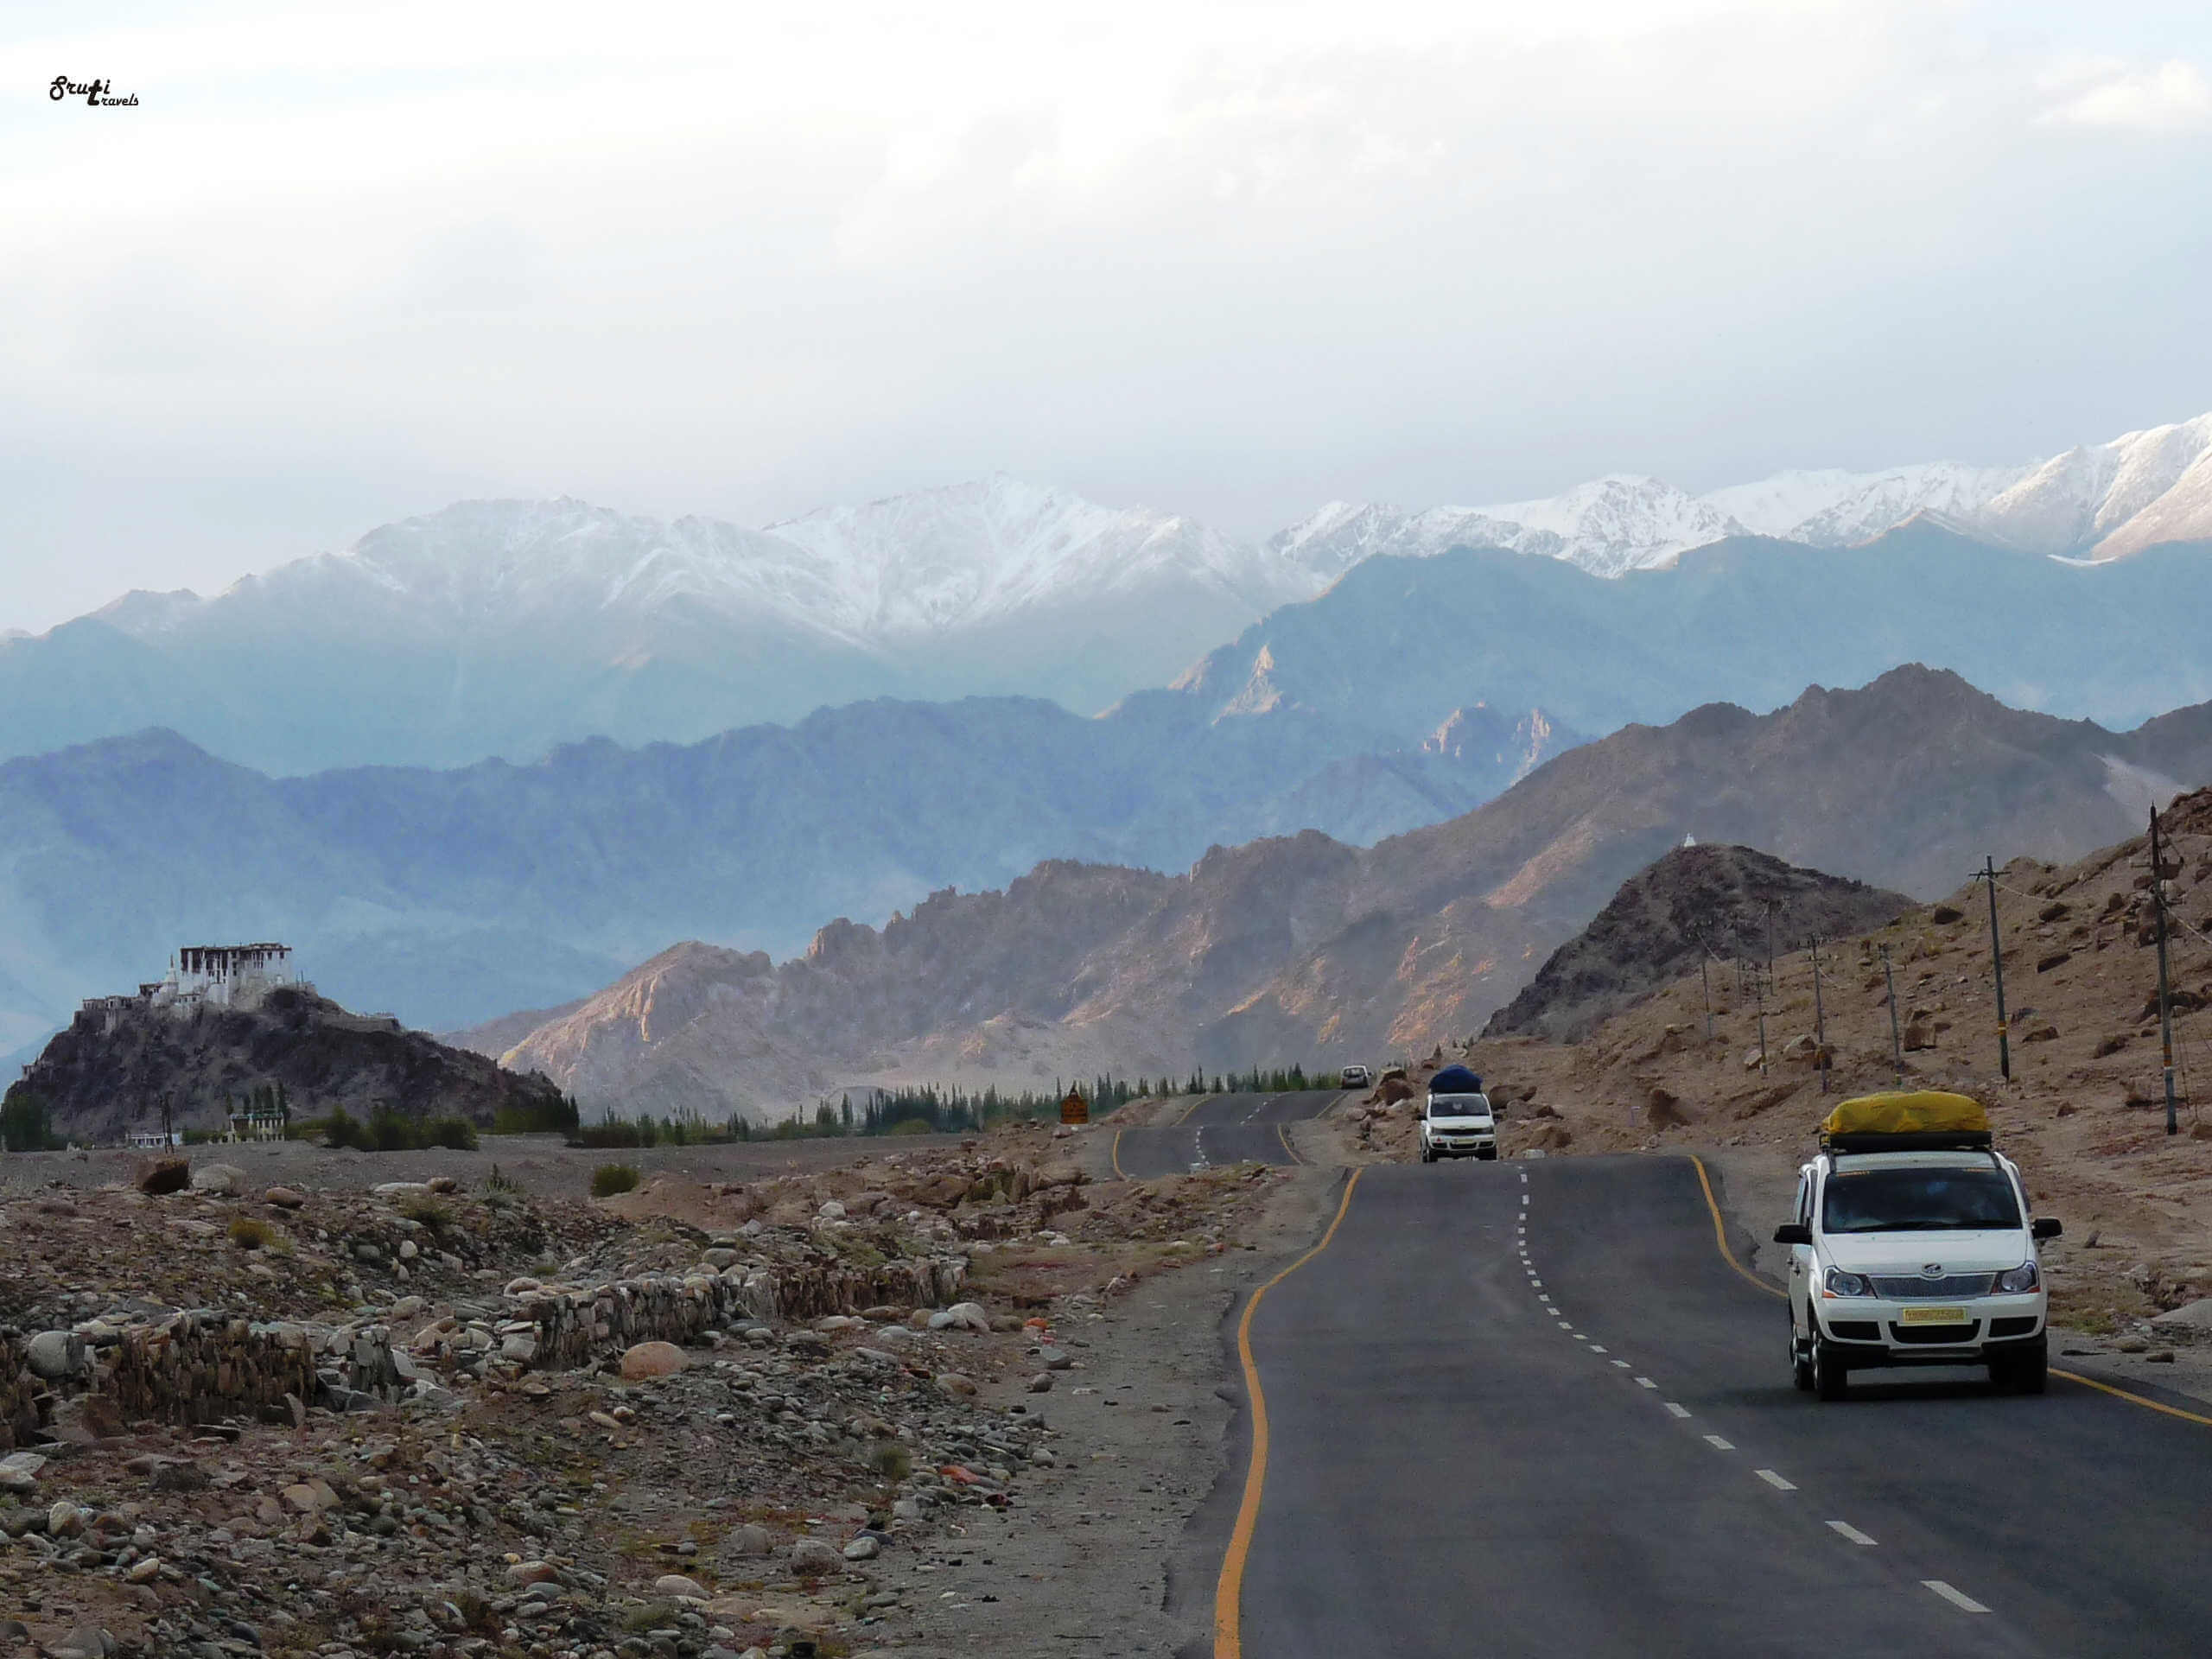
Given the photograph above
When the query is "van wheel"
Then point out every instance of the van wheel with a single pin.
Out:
(1830, 1379)
(1800, 1359)
(2026, 1372)
(1427, 1156)
(1489, 1157)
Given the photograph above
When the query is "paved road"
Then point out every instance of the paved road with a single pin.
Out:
(1595, 1449)
(1219, 1129)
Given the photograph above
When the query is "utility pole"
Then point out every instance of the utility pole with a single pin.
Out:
(1988, 873)
(1762, 989)
(1705, 983)
(1770, 942)
(2165, 1002)
(1820, 1020)
(1897, 1038)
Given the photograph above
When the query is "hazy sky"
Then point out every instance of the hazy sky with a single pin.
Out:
(347, 261)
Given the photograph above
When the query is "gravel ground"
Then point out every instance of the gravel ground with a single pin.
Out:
(540, 1162)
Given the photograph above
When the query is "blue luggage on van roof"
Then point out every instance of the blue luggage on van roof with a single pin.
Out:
(1455, 1080)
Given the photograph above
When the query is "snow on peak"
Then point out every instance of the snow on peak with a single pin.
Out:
(1614, 524)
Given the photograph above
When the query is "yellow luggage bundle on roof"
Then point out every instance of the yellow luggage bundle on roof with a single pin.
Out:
(1917, 1117)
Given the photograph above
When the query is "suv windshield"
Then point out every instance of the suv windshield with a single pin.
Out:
(1917, 1200)
(1461, 1106)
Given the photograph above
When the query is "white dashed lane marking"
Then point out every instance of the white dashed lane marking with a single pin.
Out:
(1674, 1410)
(1595, 1349)
(1775, 1480)
(1622, 1363)
(1958, 1599)
(1720, 1445)
(1851, 1532)
(1645, 1382)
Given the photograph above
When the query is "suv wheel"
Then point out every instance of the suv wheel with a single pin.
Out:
(1830, 1379)
(1427, 1156)
(2027, 1371)
(1800, 1358)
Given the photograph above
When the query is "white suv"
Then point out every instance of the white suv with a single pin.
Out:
(1457, 1126)
(1356, 1077)
(1915, 1258)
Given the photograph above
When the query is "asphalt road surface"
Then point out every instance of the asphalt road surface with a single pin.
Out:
(1528, 1408)
(1218, 1129)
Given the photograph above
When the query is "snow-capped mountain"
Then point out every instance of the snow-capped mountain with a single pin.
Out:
(2101, 502)
(505, 627)
(997, 548)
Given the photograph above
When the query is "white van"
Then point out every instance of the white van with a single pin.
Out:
(1457, 1120)
(1914, 1246)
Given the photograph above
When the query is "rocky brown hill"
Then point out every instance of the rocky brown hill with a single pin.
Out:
(106, 1074)
(1728, 900)
(1303, 948)
(2084, 1110)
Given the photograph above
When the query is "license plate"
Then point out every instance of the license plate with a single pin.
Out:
(1933, 1316)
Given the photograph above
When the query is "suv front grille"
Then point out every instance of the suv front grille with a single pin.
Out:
(1949, 1287)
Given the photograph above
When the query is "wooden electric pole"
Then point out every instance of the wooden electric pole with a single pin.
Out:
(2165, 1000)
(1897, 1038)
(1820, 1020)
(1988, 873)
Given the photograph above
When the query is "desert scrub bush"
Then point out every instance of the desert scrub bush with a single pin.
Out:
(249, 1233)
(425, 1211)
(891, 1460)
(609, 1178)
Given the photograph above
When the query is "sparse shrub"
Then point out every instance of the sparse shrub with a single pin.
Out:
(454, 1134)
(249, 1233)
(425, 1211)
(891, 1460)
(910, 1126)
(610, 1179)
(507, 1184)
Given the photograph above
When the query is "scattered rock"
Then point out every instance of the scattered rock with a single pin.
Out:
(285, 1197)
(865, 1547)
(164, 1175)
(955, 1384)
(810, 1558)
(676, 1585)
(650, 1359)
(221, 1178)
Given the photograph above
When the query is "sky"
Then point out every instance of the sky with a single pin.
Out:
(345, 263)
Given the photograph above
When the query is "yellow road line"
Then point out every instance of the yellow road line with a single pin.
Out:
(1721, 1233)
(1720, 1237)
(1229, 1589)
(2133, 1399)
(1282, 1133)
(1119, 1173)
(1193, 1107)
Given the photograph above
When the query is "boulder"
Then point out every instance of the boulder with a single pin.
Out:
(2189, 1316)
(222, 1179)
(676, 1585)
(650, 1359)
(162, 1175)
(746, 1542)
(54, 1354)
(811, 1557)
(285, 1197)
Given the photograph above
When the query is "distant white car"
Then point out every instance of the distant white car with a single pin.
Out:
(1356, 1077)
(1457, 1126)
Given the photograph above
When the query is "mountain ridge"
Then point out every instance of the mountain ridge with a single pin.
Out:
(505, 627)
(1301, 948)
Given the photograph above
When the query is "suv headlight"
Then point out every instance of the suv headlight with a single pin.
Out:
(2022, 1278)
(1837, 1282)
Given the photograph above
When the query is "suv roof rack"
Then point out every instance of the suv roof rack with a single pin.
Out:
(1911, 1141)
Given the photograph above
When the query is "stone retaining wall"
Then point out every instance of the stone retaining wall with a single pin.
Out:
(200, 1367)
(555, 1328)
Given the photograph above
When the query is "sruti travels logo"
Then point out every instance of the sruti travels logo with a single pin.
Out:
(100, 94)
